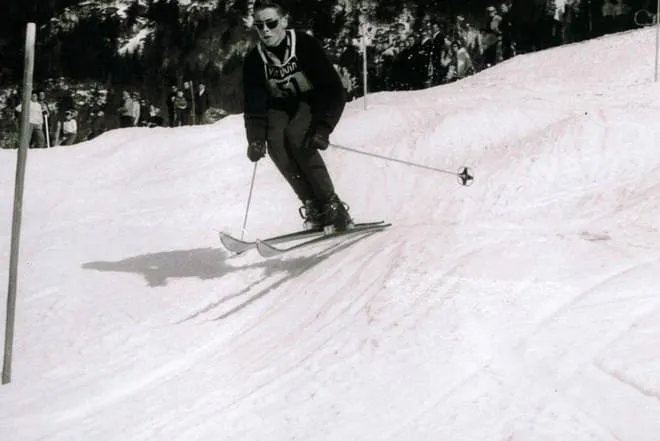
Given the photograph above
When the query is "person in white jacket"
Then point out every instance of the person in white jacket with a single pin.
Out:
(36, 121)
(136, 109)
(66, 131)
(462, 62)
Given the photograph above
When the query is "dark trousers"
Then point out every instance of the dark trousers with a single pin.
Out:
(181, 117)
(126, 121)
(170, 114)
(37, 136)
(491, 54)
(304, 169)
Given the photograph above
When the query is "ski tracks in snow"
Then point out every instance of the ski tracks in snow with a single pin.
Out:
(404, 298)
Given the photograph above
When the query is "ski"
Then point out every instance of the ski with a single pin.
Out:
(239, 246)
(267, 249)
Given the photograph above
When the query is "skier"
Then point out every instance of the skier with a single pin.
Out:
(294, 98)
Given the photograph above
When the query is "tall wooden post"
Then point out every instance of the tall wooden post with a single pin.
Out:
(365, 71)
(18, 199)
(657, 39)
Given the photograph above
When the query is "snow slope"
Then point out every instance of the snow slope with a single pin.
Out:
(524, 307)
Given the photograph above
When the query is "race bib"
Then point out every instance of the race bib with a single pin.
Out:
(287, 80)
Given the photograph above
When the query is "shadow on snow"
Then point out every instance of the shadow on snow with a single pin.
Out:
(212, 263)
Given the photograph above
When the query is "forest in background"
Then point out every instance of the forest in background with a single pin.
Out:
(88, 52)
(185, 40)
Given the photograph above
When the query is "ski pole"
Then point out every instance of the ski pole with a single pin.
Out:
(47, 128)
(464, 174)
(247, 208)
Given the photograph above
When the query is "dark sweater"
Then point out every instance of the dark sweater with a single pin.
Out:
(326, 96)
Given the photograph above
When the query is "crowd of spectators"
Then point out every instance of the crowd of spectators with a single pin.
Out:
(186, 105)
(55, 122)
(47, 127)
(400, 57)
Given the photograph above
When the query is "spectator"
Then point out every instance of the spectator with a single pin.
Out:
(180, 109)
(126, 111)
(136, 109)
(97, 125)
(349, 82)
(170, 105)
(143, 120)
(36, 121)
(425, 56)
(387, 59)
(155, 118)
(461, 61)
(189, 95)
(492, 39)
(67, 130)
(437, 46)
(549, 25)
(202, 103)
(608, 13)
(42, 100)
(350, 59)
(471, 38)
(506, 26)
(45, 110)
(621, 16)
(410, 67)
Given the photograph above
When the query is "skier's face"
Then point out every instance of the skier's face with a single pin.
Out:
(271, 26)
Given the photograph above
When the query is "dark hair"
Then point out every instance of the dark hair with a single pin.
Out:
(264, 4)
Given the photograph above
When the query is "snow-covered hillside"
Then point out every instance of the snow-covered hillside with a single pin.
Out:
(524, 307)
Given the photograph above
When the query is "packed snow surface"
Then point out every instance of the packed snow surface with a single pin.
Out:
(524, 307)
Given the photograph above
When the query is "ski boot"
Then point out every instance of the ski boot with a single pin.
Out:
(336, 217)
(312, 215)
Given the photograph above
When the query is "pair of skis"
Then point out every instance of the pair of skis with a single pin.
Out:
(268, 247)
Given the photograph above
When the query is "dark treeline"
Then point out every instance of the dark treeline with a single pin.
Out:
(201, 43)
(83, 43)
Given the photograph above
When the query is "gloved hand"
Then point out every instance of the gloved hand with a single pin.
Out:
(318, 137)
(256, 150)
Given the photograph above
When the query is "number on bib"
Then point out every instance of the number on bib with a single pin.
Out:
(289, 87)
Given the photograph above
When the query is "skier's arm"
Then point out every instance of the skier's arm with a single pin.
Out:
(255, 99)
(329, 96)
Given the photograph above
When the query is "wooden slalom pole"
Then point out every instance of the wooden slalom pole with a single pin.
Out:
(18, 199)
(657, 40)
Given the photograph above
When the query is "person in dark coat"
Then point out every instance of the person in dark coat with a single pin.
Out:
(507, 28)
(202, 103)
(181, 109)
(294, 98)
(171, 114)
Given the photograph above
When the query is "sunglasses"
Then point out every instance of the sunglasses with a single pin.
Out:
(270, 24)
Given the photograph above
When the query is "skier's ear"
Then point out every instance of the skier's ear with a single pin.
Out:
(285, 21)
